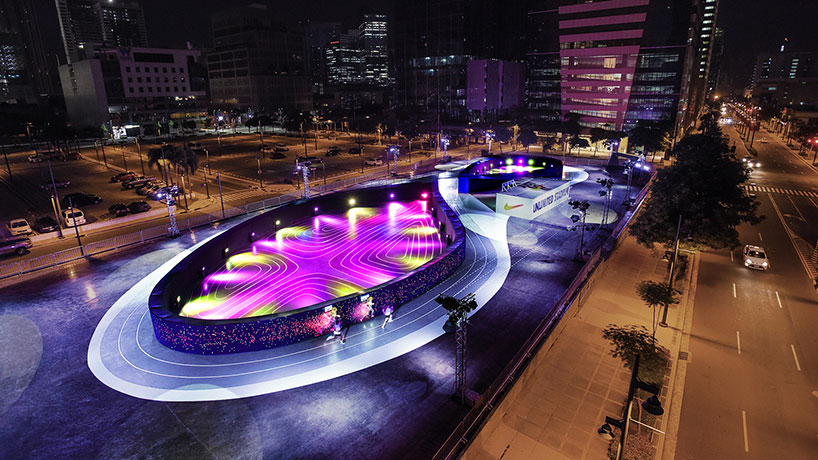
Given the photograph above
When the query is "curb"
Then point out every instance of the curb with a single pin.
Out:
(666, 448)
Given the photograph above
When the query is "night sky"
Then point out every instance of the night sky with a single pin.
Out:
(752, 26)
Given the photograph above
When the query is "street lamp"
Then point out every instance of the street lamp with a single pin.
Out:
(652, 405)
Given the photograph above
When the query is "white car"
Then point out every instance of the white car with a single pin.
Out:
(18, 227)
(72, 218)
(755, 257)
(374, 162)
(763, 140)
(750, 163)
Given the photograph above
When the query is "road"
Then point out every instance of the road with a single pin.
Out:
(750, 390)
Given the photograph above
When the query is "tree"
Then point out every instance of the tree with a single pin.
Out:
(570, 127)
(578, 143)
(548, 143)
(598, 135)
(607, 185)
(650, 135)
(582, 206)
(655, 294)
(631, 340)
(706, 185)
(502, 135)
(183, 160)
(526, 138)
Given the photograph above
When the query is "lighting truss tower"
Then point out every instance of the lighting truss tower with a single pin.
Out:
(304, 167)
(460, 360)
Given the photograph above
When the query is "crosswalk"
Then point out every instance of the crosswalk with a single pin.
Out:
(781, 191)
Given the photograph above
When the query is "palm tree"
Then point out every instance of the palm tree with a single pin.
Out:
(183, 160)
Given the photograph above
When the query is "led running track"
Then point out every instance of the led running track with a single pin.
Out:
(317, 260)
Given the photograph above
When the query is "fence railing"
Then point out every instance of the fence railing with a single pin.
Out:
(468, 428)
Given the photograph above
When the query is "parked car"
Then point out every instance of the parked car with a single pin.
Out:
(72, 218)
(80, 199)
(35, 158)
(763, 140)
(123, 176)
(45, 224)
(278, 155)
(18, 227)
(139, 206)
(195, 145)
(58, 183)
(332, 151)
(138, 181)
(282, 146)
(307, 158)
(755, 257)
(70, 156)
(17, 245)
(148, 188)
(265, 148)
(163, 192)
(374, 162)
(355, 151)
(118, 210)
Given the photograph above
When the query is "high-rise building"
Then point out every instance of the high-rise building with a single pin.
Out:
(714, 71)
(135, 88)
(613, 62)
(318, 36)
(494, 86)
(88, 23)
(28, 72)
(786, 78)
(375, 47)
(257, 62)
(435, 39)
(346, 61)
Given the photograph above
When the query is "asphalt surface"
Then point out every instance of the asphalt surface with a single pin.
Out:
(752, 376)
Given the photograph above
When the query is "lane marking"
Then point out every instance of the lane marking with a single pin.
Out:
(744, 425)
(734, 290)
(777, 297)
(760, 238)
(738, 342)
(797, 365)
(797, 210)
(731, 256)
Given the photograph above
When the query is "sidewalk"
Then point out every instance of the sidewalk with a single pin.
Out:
(555, 409)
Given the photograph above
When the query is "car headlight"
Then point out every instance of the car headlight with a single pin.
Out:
(764, 264)
(758, 165)
(748, 262)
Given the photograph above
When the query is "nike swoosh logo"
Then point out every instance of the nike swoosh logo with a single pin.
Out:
(509, 208)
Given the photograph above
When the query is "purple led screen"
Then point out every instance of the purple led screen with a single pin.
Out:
(318, 259)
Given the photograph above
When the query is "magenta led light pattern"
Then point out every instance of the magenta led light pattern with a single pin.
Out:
(319, 259)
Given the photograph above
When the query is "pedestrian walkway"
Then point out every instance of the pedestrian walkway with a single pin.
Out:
(781, 191)
(571, 385)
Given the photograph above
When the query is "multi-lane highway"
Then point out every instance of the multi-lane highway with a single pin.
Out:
(751, 389)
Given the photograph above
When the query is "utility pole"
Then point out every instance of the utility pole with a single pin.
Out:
(124, 161)
(56, 197)
(221, 197)
(76, 227)
(104, 159)
(8, 166)
(139, 152)
(258, 165)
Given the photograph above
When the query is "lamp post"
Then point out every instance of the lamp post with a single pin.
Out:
(663, 322)
(629, 171)
(139, 152)
(76, 227)
(221, 197)
(652, 405)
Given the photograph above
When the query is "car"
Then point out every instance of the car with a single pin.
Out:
(71, 218)
(18, 227)
(331, 152)
(355, 151)
(148, 188)
(282, 146)
(45, 224)
(139, 206)
(750, 162)
(118, 210)
(17, 245)
(278, 155)
(123, 176)
(80, 199)
(763, 140)
(70, 156)
(755, 257)
(374, 162)
(307, 158)
(195, 145)
(265, 148)
(35, 158)
(162, 192)
(138, 181)
(58, 183)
